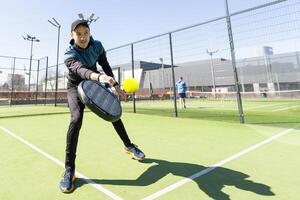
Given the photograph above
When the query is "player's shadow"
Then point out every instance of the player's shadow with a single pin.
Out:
(211, 183)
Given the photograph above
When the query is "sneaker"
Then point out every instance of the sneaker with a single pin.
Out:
(66, 184)
(135, 152)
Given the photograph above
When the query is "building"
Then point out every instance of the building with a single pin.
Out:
(280, 72)
(17, 80)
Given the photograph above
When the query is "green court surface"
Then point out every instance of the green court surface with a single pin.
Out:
(205, 153)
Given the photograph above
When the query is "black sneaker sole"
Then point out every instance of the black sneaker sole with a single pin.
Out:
(132, 155)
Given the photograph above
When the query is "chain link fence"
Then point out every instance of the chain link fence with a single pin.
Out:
(266, 40)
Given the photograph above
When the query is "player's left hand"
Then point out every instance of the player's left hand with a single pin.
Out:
(107, 79)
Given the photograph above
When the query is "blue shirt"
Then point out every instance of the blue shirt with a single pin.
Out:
(181, 86)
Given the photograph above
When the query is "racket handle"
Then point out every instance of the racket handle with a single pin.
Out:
(99, 77)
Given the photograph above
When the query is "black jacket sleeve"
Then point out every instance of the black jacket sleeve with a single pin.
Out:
(102, 60)
(78, 69)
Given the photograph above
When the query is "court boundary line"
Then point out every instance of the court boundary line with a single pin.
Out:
(60, 163)
(266, 106)
(213, 167)
(285, 108)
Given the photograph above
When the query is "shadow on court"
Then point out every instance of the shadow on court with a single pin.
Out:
(210, 183)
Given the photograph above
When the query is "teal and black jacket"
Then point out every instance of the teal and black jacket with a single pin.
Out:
(81, 63)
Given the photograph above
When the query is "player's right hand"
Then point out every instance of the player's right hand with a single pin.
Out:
(120, 92)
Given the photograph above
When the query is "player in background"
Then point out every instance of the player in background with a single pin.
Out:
(181, 89)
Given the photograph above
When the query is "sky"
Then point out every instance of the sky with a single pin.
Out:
(120, 21)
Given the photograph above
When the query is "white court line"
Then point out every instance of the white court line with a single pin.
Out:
(262, 106)
(285, 108)
(207, 170)
(88, 181)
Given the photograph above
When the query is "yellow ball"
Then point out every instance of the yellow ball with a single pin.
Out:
(130, 85)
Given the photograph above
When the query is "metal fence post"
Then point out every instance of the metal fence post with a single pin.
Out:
(46, 79)
(236, 79)
(132, 71)
(37, 83)
(119, 75)
(173, 75)
(12, 82)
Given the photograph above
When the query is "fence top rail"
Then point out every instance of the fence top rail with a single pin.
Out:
(56, 65)
(257, 7)
(45, 57)
(14, 57)
(167, 33)
(201, 23)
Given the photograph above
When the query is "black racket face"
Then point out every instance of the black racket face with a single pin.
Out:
(101, 100)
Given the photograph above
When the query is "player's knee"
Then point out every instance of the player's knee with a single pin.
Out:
(76, 118)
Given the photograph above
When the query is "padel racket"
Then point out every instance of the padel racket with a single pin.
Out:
(100, 99)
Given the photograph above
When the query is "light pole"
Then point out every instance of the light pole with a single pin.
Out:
(90, 19)
(57, 25)
(31, 39)
(163, 73)
(211, 53)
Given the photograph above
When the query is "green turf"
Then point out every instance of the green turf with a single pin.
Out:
(29, 110)
(272, 112)
(175, 147)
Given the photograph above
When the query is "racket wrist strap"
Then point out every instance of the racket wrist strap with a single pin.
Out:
(99, 77)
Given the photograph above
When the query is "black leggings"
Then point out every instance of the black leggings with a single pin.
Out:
(77, 109)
